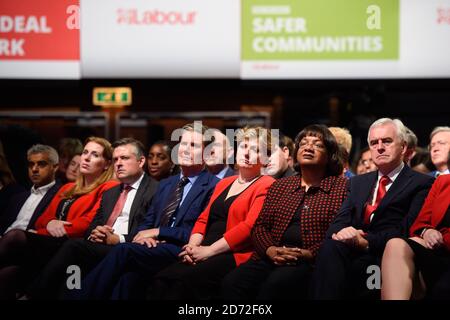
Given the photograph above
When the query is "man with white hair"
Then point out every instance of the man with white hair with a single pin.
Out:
(24, 208)
(381, 205)
(439, 150)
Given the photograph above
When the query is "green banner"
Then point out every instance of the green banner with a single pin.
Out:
(320, 29)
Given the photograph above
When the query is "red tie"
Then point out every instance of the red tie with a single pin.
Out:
(119, 205)
(384, 181)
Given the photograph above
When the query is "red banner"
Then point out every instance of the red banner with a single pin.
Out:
(39, 30)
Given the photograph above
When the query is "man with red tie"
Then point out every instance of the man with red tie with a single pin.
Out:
(381, 205)
(122, 209)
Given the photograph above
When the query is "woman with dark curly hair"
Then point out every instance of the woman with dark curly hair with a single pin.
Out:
(292, 224)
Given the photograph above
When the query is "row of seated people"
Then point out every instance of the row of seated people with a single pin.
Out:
(247, 236)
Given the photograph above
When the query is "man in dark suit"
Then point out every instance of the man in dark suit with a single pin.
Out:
(26, 207)
(218, 154)
(121, 210)
(178, 202)
(381, 205)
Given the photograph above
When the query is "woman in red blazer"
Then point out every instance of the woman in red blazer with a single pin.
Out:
(411, 266)
(67, 216)
(293, 222)
(220, 239)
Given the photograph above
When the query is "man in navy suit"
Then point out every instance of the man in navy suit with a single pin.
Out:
(26, 207)
(178, 202)
(381, 205)
(218, 154)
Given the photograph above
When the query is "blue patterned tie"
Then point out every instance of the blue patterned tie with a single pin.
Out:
(174, 202)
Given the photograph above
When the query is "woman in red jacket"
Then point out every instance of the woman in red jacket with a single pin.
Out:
(68, 215)
(220, 239)
(411, 266)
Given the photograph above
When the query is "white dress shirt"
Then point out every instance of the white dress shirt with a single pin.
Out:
(121, 224)
(30, 205)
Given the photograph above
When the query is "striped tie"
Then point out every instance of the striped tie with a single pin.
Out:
(173, 203)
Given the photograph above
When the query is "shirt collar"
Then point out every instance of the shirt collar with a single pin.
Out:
(394, 173)
(191, 179)
(137, 183)
(43, 189)
(222, 173)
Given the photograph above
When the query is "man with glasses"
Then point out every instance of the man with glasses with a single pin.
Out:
(381, 205)
(439, 150)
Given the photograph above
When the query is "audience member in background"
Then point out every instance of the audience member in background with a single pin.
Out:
(414, 265)
(422, 161)
(159, 162)
(178, 201)
(278, 166)
(381, 205)
(344, 139)
(292, 224)
(218, 154)
(287, 142)
(26, 207)
(439, 150)
(67, 216)
(8, 185)
(121, 210)
(411, 146)
(365, 163)
(220, 239)
(67, 149)
(73, 169)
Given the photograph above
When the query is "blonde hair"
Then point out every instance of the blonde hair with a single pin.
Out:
(79, 188)
(263, 135)
(343, 137)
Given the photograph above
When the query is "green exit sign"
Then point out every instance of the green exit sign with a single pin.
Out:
(112, 97)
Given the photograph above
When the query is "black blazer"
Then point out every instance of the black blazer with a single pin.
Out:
(141, 203)
(394, 215)
(16, 203)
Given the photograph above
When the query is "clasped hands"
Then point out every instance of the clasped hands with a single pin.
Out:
(104, 234)
(353, 237)
(148, 237)
(193, 254)
(285, 256)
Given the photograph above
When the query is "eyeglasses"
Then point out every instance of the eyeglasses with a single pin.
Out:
(316, 145)
(439, 143)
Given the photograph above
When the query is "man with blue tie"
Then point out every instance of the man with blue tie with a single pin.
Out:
(178, 202)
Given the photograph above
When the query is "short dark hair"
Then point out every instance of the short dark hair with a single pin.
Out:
(140, 151)
(334, 166)
(285, 141)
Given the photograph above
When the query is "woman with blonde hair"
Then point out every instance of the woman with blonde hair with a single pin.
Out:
(220, 239)
(67, 216)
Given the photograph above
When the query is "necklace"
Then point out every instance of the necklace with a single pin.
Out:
(245, 182)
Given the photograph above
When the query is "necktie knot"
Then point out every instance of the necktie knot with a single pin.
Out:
(183, 181)
(385, 180)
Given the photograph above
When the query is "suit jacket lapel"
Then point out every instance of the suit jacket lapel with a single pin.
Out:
(139, 197)
(196, 189)
(366, 192)
(108, 206)
(398, 185)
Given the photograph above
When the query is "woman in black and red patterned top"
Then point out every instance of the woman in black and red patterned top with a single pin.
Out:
(292, 224)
